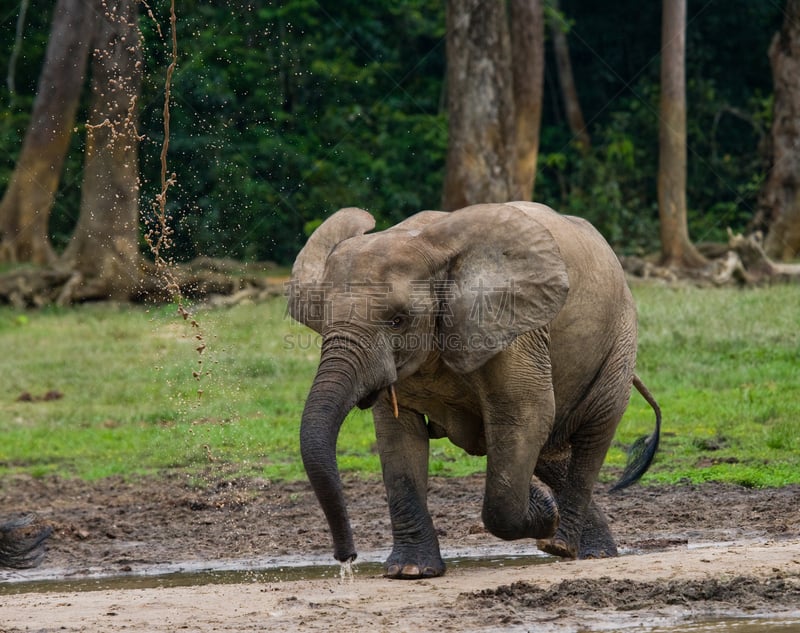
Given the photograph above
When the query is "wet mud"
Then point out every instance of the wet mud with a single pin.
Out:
(690, 553)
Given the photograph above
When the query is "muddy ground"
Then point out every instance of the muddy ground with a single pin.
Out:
(689, 552)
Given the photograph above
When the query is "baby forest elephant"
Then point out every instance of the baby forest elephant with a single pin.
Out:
(508, 329)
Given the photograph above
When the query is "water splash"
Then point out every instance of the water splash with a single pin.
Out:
(346, 572)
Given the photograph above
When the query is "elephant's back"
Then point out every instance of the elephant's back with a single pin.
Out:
(594, 337)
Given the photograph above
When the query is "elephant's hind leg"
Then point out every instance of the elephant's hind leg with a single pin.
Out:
(552, 469)
(583, 531)
(596, 540)
(588, 431)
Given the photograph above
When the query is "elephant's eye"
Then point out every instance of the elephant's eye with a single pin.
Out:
(397, 322)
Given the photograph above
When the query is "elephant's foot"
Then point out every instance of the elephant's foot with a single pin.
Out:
(508, 522)
(595, 539)
(411, 563)
(543, 506)
(557, 547)
(598, 552)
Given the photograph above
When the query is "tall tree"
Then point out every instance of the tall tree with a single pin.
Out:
(102, 260)
(494, 88)
(527, 72)
(779, 201)
(559, 27)
(676, 248)
(105, 245)
(28, 199)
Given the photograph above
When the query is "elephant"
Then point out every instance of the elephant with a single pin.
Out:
(507, 328)
(22, 541)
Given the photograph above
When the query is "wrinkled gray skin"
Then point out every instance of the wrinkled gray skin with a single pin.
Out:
(507, 328)
(22, 542)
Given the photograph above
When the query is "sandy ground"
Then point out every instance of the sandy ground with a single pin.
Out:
(690, 553)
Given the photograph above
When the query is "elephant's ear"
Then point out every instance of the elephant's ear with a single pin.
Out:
(305, 292)
(504, 276)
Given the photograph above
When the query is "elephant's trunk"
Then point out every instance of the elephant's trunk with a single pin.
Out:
(338, 386)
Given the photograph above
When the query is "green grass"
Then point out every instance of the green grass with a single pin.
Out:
(723, 363)
(132, 403)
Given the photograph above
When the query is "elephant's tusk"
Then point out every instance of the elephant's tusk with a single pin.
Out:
(393, 397)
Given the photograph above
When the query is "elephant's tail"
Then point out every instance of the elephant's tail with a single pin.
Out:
(642, 451)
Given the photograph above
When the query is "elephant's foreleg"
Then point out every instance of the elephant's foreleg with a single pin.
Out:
(403, 448)
(517, 504)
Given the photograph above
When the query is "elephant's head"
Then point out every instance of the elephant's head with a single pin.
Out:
(454, 287)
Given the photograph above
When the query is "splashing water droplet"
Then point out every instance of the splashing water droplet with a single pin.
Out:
(346, 571)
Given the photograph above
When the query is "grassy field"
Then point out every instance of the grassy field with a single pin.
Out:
(130, 394)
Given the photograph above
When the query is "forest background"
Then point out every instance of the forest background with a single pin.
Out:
(283, 112)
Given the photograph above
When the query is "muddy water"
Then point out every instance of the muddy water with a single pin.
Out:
(243, 572)
(736, 625)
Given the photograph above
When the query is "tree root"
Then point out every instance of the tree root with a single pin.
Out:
(218, 282)
(741, 262)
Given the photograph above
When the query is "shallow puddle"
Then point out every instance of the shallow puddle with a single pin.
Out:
(737, 625)
(195, 574)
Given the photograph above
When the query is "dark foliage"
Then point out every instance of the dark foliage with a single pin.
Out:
(282, 112)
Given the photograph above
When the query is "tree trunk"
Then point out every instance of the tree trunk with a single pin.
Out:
(780, 197)
(566, 81)
(104, 249)
(28, 200)
(676, 249)
(527, 67)
(479, 103)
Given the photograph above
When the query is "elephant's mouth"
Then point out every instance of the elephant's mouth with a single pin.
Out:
(372, 398)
